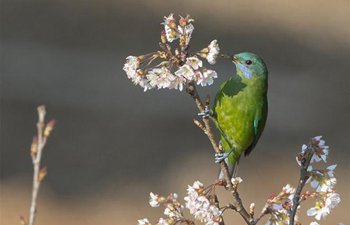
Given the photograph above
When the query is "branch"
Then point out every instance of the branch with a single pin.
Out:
(237, 202)
(38, 144)
(305, 161)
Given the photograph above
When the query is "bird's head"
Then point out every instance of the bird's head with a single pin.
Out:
(249, 65)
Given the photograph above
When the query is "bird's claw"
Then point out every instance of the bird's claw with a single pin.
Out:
(219, 157)
(205, 114)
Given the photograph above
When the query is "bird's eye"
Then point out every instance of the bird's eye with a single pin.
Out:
(248, 62)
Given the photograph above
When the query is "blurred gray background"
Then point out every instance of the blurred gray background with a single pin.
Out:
(113, 143)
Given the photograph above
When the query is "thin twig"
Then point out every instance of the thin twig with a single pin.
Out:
(36, 152)
(237, 202)
(259, 218)
(304, 164)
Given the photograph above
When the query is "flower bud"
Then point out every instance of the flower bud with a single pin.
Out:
(163, 37)
(49, 127)
(34, 147)
(42, 174)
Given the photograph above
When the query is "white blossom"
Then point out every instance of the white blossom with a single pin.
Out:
(319, 211)
(186, 32)
(131, 65)
(236, 180)
(141, 80)
(314, 223)
(154, 200)
(194, 62)
(288, 189)
(160, 77)
(303, 148)
(165, 78)
(207, 78)
(330, 170)
(173, 211)
(143, 222)
(177, 83)
(173, 196)
(321, 150)
(214, 51)
(214, 215)
(178, 67)
(198, 185)
(323, 185)
(332, 200)
(152, 78)
(169, 27)
(186, 71)
(162, 222)
(199, 205)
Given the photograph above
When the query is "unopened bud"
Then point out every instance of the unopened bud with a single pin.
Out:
(173, 34)
(42, 174)
(163, 37)
(204, 50)
(162, 55)
(207, 101)
(171, 221)
(49, 127)
(171, 207)
(34, 147)
(251, 209)
(41, 112)
(183, 21)
(172, 24)
(182, 41)
(161, 199)
(198, 124)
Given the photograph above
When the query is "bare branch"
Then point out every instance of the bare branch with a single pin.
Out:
(38, 144)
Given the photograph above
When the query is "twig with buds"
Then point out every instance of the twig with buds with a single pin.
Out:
(304, 158)
(38, 144)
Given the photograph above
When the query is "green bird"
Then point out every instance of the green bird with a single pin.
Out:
(240, 108)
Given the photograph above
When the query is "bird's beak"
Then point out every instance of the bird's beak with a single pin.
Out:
(235, 60)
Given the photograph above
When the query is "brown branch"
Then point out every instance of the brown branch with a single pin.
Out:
(260, 217)
(237, 202)
(304, 176)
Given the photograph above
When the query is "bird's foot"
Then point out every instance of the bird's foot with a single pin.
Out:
(206, 113)
(219, 157)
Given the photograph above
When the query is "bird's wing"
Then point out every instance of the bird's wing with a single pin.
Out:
(230, 87)
(258, 124)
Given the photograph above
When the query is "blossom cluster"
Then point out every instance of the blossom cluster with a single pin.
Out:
(197, 201)
(322, 182)
(173, 211)
(176, 67)
(279, 205)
